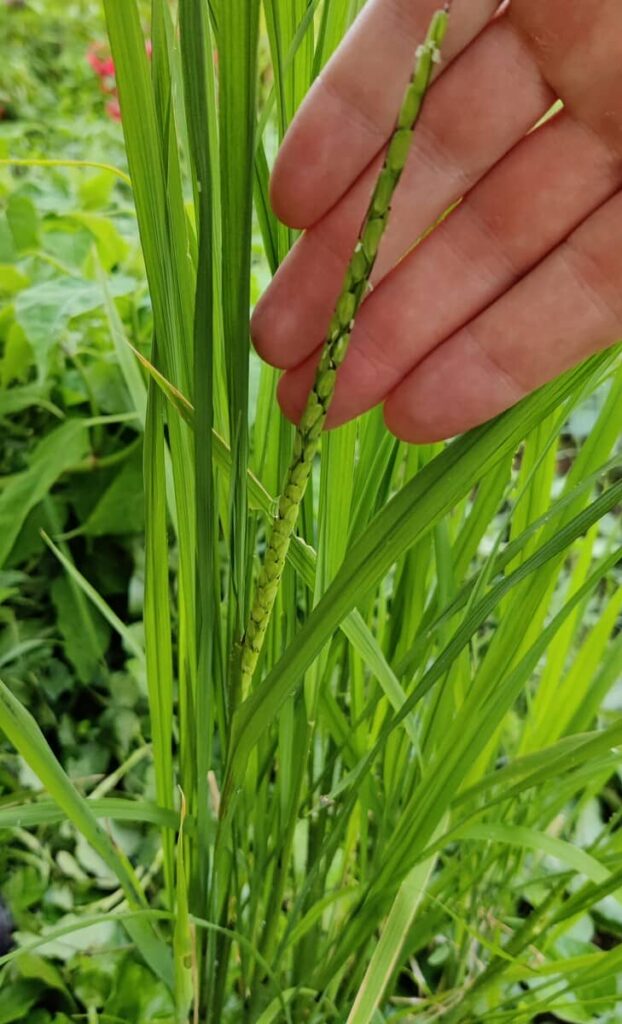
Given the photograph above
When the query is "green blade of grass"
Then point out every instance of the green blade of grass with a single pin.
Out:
(578, 860)
(409, 516)
(102, 606)
(238, 30)
(468, 735)
(127, 918)
(157, 618)
(387, 952)
(152, 149)
(22, 731)
(300, 554)
(196, 46)
(46, 812)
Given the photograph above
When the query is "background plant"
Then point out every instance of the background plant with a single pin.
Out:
(415, 814)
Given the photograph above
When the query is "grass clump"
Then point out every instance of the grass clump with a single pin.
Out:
(407, 808)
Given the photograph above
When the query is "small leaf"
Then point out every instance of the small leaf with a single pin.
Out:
(96, 189)
(35, 967)
(111, 247)
(12, 280)
(17, 1000)
(85, 634)
(62, 448)
(23, 222)
(121, 509)
(18, 357)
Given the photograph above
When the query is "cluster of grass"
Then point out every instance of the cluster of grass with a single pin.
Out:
(413, 815)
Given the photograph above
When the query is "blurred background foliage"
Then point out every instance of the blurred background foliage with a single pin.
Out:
(70, 465)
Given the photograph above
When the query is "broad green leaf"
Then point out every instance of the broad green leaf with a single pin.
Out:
(121, 508)
(54, 454)
(85, 640)
(23, 221)
(14, 400)
(111, 246)
(45, 310)
(18, 1001)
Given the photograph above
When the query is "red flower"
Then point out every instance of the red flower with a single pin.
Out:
(113, 109)
(102, 66)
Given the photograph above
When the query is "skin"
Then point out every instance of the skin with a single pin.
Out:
(523, 280)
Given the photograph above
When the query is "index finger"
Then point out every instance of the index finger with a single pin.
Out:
(350, 111)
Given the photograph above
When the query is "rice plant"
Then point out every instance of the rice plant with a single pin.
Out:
(396, 794)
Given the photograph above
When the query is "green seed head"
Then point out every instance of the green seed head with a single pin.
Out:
(345, 308)
(267, 593)
(311, 415)
(340, 349)
(439, 26)
(326, 385)
(293, 492)
(399, 149)
(284, 506)
(300, 473)
(372, 236)
(334, 327)
(358, 266)
(326, 363)
(383, 192)
(316, 432)
(270, 558)
(278, 534)
(291, 515)
(410, 108)
(424, 68)
(271, 570)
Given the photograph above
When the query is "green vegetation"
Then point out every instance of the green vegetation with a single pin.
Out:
(414, 815)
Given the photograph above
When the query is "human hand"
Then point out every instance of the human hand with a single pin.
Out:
(523, 280)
